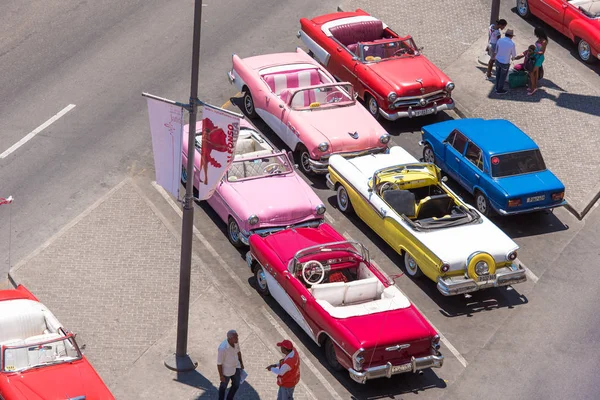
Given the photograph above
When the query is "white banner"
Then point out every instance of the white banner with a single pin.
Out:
(166, 127)
(220, 132)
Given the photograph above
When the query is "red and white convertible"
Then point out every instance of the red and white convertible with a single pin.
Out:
(330, 287)
(302, 103)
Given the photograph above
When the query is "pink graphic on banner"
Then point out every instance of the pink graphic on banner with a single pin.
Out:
(213, 139)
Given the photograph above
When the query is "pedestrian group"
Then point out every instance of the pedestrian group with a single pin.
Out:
(231, 368)
(502, 52)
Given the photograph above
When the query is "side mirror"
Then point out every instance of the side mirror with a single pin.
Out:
(354, 58)
(444, 179)
(339, 49)
(290, 156)
(280, 105)
(355, 95)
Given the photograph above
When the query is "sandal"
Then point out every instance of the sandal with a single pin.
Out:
(532, 92)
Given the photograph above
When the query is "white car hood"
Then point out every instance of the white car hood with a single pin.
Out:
(367, 165)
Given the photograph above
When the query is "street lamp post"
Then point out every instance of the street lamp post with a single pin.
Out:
(181, 361)
(495, 15)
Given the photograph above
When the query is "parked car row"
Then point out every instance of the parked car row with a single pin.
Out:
(326, 283)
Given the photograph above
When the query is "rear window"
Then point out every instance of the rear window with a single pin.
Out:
(522, 162)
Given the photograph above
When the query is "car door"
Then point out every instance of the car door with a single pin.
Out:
(553, 12)
(471, 169)
(290, 125)
(454, 148)
(305, 303)
(344, 65)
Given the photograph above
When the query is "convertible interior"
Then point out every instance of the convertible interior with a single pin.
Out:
(365, 32)
(24, 322)
(590, 8)
(346, 287)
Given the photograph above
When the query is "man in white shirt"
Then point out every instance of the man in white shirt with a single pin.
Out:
(505, 53)
(230, 365)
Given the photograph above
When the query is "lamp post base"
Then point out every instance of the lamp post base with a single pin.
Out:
(180, 364)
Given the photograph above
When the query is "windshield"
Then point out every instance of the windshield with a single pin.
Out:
(276, 164)
(323, 96)
(39, 354)
(385, 50)
(522, 162)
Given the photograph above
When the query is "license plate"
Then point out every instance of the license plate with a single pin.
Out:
(536, 198)
(426, 111)
(401, 368)
(486, 278)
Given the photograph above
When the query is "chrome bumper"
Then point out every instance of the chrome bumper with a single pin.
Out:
(410, 113)
(387, 370)
(230, 76)
(533, 209)
(329, 182)
(313, 223)
(454, 285)
(320, 166)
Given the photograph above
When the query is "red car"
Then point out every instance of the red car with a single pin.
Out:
(347, 305)
(389, 72)
(39, 359)
(579, 20)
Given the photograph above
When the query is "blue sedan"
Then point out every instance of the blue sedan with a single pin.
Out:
(496, 162)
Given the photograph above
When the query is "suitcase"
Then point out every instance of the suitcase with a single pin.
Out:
(517, 79)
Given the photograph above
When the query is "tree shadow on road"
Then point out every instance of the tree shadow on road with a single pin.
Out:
(208, 390)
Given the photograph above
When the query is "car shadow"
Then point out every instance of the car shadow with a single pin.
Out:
(375, 389)
(557, 38)
(411, 125)
(517, 226)
(197, 380)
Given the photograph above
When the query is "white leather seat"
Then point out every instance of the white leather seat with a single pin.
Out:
(391, 299)
(362, 290)
(332, 293)
(22, 318)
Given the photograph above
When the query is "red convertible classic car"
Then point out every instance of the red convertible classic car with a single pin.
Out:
(579, 20)
(39, 359)
(330, 287)
(389, 72)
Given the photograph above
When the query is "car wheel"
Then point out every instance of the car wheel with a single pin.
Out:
(372, 106)
(343, 200)
(428, 155)
(523, 8)
(411, 266)
(261, 281)
(482, 204)
(331, 356)
(249, 105)
(584, 50)
(303, 160)
(233, 233)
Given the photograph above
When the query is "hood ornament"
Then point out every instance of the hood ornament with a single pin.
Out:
(420, 80)
(353, 135)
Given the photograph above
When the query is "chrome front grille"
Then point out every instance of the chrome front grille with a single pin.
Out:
(420, 101)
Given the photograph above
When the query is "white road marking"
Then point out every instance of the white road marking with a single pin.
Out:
(205, 242)
(329, 218)
(443, 339)
(37, 130)
(530, 275)
(305, 360)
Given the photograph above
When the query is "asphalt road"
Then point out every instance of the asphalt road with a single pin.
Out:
(101, 55)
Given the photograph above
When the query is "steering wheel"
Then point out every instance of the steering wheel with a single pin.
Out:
(388, 186)
(313, 272)
(272, 168)
(334, 97)
(401, 51)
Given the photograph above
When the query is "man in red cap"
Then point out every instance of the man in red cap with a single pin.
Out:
(287, 371)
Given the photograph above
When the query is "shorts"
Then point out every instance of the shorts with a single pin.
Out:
(491, 50)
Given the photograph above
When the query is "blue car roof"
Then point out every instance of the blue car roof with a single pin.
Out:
(493, 136)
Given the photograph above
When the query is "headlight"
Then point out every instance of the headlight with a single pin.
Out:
(449, 86)
(384, 138)
(482, 268)
(323, 146)
(358, 360)
(320, 209)
(253, 219)
(445, 267)
(392, 97)
(512, 256)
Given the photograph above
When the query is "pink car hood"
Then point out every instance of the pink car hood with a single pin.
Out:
(402, 75)
(276, 200)
(338, 123)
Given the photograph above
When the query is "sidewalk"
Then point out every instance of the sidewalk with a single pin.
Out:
(112, 277)
(562, 117)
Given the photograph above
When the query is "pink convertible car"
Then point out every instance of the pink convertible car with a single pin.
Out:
(261, 191)
(303, 104)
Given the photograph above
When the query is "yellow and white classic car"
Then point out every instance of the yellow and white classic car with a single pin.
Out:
(407, 204)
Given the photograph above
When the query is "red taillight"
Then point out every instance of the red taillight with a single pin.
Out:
(514, 202)
(558, 196)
